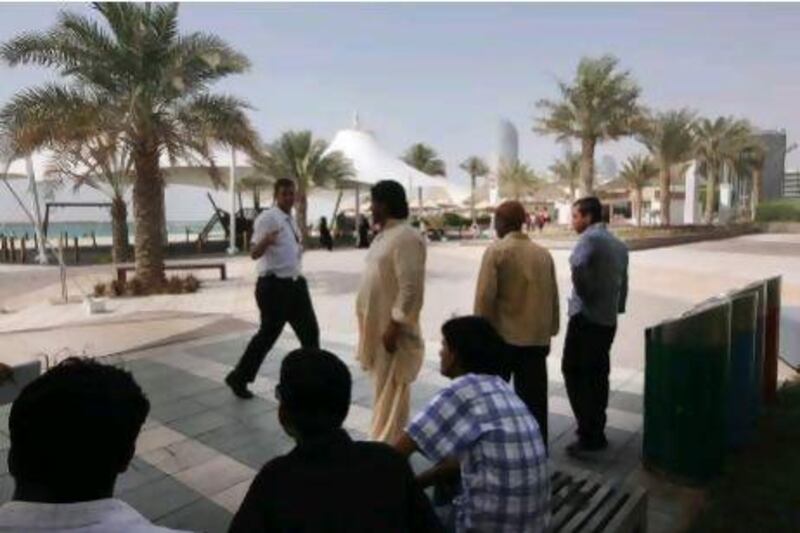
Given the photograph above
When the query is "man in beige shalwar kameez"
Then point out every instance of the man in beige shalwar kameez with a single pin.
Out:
(390, 345)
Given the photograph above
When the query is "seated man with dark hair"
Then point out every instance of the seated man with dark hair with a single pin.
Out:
(329, 482)
(73, 431)
(480, 427)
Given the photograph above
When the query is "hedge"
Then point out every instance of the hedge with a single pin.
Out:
(785, 210)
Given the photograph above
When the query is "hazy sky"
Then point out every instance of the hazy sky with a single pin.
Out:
(445, 73)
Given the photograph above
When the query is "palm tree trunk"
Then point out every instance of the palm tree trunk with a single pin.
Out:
(472, 200)
(665, 194)
(639, 202)
(711, 194)
(755, 195)
(119, 230)
(301, 209)
(587, 165)
(148, 206)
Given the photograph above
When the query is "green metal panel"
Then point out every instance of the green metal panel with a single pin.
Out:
(686, 376)
(741, 414)
(759, 288)
(772, 339)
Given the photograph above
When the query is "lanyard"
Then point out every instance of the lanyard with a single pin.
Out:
(291, 226)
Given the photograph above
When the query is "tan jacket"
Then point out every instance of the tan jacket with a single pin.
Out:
(517, 291)
(392, 288)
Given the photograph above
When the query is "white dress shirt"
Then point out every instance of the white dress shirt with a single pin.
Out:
(283, 258)
(97, 516)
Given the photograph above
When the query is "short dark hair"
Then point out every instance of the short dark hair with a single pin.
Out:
(477, 345)
(314, 389)
(90, 412)
(590, 205)
(393, 196)
(282, 183)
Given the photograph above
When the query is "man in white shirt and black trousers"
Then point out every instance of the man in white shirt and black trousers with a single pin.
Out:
(281, 292)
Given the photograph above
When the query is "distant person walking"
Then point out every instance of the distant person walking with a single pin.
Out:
(281, 291)
(518, 294)
(389, 302)
(363, 232)
(599, 264)
(325, 237)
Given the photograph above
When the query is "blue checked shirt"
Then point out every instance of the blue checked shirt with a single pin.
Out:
(481, 421)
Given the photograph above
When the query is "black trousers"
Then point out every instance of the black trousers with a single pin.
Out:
(280, 301)
(585, 366)
(528, 366)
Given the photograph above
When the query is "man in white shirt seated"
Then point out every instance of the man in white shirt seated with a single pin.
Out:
(73, 431)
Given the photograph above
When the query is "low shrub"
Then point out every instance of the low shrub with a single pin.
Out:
(100, 290)
(191, 284)
(786, 210)
(135, 287)
(116, 288)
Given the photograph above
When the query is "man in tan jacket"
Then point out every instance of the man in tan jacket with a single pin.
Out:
(390, 345)
(518, 293)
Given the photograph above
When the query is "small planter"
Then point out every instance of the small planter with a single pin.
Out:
(94, 306)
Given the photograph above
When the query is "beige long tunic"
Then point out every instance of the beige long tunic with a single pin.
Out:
(392, 288)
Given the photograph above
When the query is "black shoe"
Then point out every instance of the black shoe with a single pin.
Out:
(239, 388)
(580, 449)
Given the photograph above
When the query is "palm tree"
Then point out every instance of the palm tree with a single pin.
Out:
(751, 161)
(476, 168)
(600, 104)
(425, 159)
(637, 171)
(669, 139)
(134, 65)
(568, 172)
(300, 157)
(103, 164)
(517, 179)
(719, 145)
(255, 184)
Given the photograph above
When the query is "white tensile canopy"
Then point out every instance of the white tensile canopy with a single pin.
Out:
(373, 163)
(37, 170)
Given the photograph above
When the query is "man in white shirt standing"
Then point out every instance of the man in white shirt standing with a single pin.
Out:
(281, 291)
(73, 431)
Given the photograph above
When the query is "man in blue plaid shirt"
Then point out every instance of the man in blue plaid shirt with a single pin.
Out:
(479, 427)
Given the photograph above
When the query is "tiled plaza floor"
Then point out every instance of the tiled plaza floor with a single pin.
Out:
(202, 446)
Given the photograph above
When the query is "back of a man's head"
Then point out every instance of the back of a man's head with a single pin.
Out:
(314, 391)
(510, 216)
(74, 429)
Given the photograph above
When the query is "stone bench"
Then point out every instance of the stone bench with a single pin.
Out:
(122, 270)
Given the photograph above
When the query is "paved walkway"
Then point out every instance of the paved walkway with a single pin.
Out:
(201, 446)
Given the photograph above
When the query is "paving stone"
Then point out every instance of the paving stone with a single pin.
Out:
(232, 435)
(215, 476)
(138, 473)
(250, 408)
(217, 398)
(179, 456)
(232, 498)
(3, 462)
(157, 437)
(198, 424)
(203, 515)
(184, 407)
(626, 401)
(6, 488)
(160, 498)
(5, 442)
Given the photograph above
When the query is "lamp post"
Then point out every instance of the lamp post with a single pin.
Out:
(232, 204)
